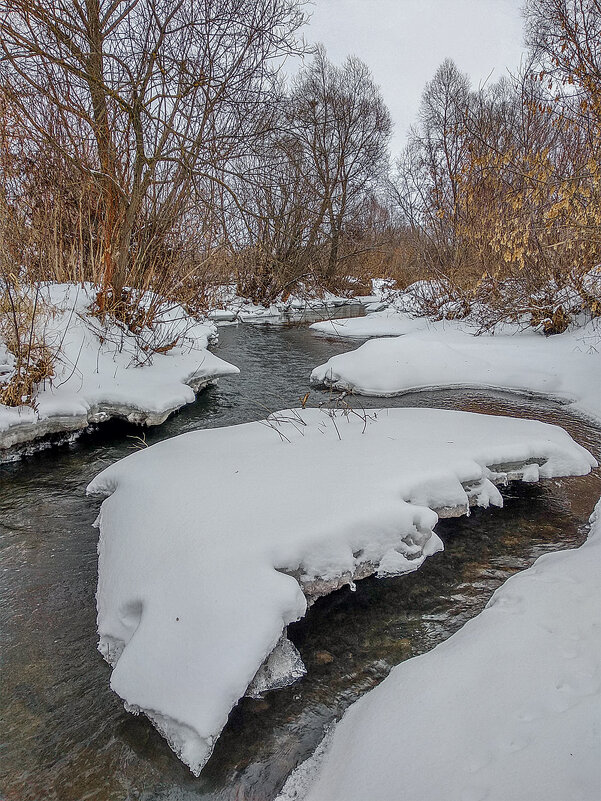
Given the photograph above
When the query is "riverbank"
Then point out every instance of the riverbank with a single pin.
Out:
(102, 370)
(507, 708)
(65, 733)
(229, 307)
(449, 355)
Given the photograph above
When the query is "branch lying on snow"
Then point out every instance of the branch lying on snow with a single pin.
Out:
(334, 407)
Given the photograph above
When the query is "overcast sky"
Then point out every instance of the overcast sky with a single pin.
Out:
(404, 41)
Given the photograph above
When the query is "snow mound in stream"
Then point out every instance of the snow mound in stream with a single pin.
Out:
(207, 540)
(507, 709)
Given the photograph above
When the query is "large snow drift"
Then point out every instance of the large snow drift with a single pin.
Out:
(507, 708)
(208, 540)
(566, 367)
(103, 371)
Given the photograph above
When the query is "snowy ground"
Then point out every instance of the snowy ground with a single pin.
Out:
(230, 307)
(566, 367)
(104, 371)
(507, 709)
(204, 560)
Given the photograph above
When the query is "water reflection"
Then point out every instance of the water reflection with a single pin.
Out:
(66, 736)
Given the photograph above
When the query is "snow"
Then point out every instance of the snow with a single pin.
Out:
(565, 367)
(436, 306)
(204, 560)
(391, 312)
(385, 323)
(229, 306)
(103, 371)
(507, 708)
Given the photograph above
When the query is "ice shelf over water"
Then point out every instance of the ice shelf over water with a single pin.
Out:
(103, 370)
(212, 542)
(507, 709)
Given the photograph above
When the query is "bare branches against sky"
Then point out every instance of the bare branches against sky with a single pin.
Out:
(404, 41)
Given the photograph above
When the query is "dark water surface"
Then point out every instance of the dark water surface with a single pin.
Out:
(66, 737)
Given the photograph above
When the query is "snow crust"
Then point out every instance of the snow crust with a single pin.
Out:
(509, 707)
(104, 371)
(204, 560)
(566, 367)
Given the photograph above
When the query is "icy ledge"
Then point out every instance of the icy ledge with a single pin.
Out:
(103, 371)
(507, 708)
(565, 367)
(212, 542)
(27, 427)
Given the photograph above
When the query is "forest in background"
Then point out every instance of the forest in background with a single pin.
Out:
(158, 149)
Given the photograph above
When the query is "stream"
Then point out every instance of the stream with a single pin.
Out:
(66, 736)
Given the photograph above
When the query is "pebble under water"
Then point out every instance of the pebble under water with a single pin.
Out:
(65, 735)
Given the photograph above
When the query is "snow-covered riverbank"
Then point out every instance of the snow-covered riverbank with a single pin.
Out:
(444, 355)
(204, 561)
(507, 708)
(104, 371)
(231, 307)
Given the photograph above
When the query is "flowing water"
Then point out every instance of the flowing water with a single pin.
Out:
(66, 736)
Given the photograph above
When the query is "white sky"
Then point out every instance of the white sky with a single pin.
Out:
(404, 41)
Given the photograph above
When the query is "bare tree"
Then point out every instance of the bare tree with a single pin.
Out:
(276, 248)
(342, 126)
(565, 39)
(425, 187)
(152, 98)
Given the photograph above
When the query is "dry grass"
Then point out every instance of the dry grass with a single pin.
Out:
(21, 319)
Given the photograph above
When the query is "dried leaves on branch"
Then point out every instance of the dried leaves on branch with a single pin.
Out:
(500, 188)
(155, 149)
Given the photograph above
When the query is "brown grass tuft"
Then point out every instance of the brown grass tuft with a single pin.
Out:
(21, 314)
